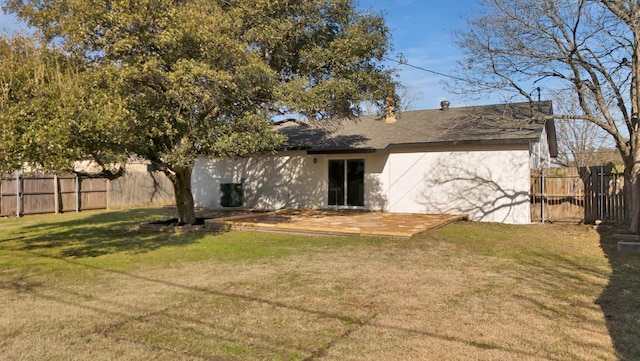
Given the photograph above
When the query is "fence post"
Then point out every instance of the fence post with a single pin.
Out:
(56, 194)
(108, 186)
(77, 193)
(18, 195)
(542, 190)
(601, 205)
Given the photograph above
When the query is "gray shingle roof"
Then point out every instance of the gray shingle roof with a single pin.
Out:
(489, 124)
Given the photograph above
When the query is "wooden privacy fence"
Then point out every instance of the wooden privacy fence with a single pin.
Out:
(51, 194)
(35, 194)
(578, 194)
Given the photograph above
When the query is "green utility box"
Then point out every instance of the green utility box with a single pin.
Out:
(231, 195)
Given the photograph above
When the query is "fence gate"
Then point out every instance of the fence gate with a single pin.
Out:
(578, 194)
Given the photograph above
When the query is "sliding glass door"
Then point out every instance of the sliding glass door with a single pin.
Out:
(346, 182)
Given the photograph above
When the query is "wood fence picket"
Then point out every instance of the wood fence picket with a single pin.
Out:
(48, 193)
(578, 194)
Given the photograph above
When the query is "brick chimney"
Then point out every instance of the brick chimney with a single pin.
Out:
(390, 111)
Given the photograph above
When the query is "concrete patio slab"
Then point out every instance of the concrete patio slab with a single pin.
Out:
(335, 222)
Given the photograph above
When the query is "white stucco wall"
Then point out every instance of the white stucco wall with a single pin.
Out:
(285, 180)
(540, 157)
(282, 180)
(489, 185)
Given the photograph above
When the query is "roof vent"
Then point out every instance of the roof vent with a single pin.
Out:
(444, 105)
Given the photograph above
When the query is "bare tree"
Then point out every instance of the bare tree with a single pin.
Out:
(580, 143)
(576, 145)
(590, 47)
(408, 99)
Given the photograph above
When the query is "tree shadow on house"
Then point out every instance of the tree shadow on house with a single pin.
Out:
(264, 182)
(99, 234)
(620, 300)
(283, 180)
(453, 186)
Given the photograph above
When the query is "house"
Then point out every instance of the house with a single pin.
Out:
(468, 160)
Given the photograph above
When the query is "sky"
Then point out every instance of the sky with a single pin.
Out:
(421, 31)
(8, 22)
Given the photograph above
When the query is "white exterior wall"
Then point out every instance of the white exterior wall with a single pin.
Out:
(489, 185)
(285, 180)
(539, 151)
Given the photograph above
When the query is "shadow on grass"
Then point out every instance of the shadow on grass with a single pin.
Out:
(620, 300)
(261, 341)
(175, 321)
(99, 234)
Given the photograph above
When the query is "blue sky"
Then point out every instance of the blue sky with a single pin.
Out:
(8, 22)
(421, 31)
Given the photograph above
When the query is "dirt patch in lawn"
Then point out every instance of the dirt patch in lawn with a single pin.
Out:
(172, 225)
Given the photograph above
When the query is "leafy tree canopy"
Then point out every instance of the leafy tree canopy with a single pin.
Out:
(203, 77)
(52, 114)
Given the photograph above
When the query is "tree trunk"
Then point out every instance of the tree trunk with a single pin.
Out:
(633, 174)
(634, 135)
(184, 198)
(628, 192)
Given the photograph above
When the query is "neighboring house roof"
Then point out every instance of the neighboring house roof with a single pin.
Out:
(489, 124)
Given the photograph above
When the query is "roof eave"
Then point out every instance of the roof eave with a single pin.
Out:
(464, 142)
(522, 141)
(343, 151)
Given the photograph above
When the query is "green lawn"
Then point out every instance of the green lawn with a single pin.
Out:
(91, 286)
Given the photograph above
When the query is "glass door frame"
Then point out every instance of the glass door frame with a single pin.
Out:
(346, 182)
